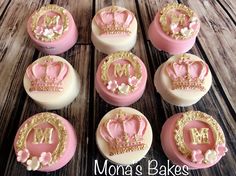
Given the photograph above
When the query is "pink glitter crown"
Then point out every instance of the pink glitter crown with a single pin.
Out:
(47, 76)
(124, 133)
(114, 21)
(187, 74)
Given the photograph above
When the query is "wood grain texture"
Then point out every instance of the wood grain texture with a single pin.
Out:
(215, 44)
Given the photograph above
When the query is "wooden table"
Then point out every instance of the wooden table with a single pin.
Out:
(216, 44)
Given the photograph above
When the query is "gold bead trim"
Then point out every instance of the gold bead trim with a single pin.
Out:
(125, 55)
(50, 7)
(198, 116)
(37, 120)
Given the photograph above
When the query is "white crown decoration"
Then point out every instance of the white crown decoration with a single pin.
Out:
(187, 74)
(47, 76)
(124, 133)
(114, 21)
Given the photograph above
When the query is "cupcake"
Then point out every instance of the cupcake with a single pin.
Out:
(52, 29)
(183, 79)
(114, 29)
(45, 142)
(121, 78)
(124, 136)
(174, 28)
(51, 82)
(194, 139)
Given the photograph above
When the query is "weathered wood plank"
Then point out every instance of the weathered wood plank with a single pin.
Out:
(229, 6)
(82, 13)
(16, 52)
(76, 113)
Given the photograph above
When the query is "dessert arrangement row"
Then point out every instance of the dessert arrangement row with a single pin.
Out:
(47, 141)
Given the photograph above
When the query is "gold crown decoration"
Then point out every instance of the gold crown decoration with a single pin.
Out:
(47, 75)
(113, 20)
(187, 74)
(121, 133)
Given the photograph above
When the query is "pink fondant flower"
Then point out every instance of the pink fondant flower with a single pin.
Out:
(210, 156)
(112, 85)
(133, 81)
(123, 88)
(58, 29)
(197, 156)
(45, 158)
(221, 149)
(48, 33)
(33, 164)
(38, 30)
(23, 155)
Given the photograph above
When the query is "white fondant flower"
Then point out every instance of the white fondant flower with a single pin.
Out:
(58, 29)
(186, 32)
(33, 164)
(133, 81)
(45, 158)
(48, 33)
(112, 85)
(173, 26)
(123, 88)
(23, 155)
(210, 156)
(197, 156)
(38, 30)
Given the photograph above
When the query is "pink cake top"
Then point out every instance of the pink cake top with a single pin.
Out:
(47, 75)
(114, 20)
(121, 73)
(186, 73)
(49, 23)
(199, 139)
(178, 21)
(41, 141)
(124, 132)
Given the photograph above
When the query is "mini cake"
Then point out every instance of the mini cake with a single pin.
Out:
(194, 139)
(52, 29)
(52, 82)
(114, 29)
(121, 78)
(124, 136)
(174, 29)
(45, 142)
(183, 79)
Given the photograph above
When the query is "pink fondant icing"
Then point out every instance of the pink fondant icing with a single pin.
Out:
(199, 151)
(164, 42)
(124, 90)
(67, 37)
(41, 153)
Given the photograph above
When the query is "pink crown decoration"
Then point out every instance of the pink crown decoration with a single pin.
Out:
(114, 21)
(124, 133)
(47, 76)
(187, 74)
